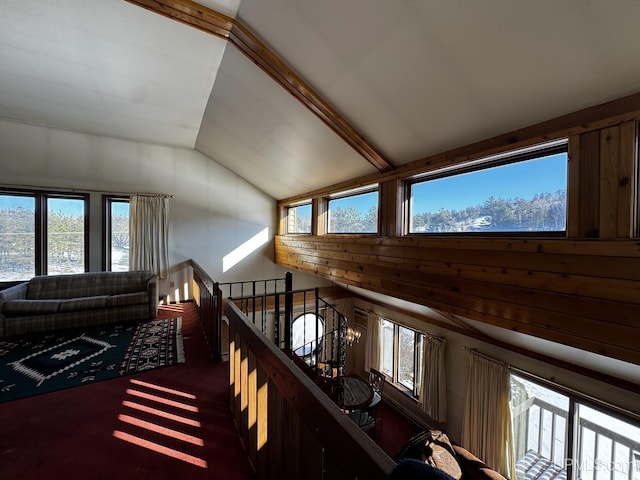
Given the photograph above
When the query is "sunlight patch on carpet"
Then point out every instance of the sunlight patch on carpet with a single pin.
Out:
(164, 423)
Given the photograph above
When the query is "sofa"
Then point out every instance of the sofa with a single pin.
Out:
(55, 302)
(433, 448)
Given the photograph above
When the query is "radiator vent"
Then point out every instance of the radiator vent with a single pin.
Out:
(360, 317)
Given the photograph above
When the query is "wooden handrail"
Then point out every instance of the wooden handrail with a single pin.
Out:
(293, 430)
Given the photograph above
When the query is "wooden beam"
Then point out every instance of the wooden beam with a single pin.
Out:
(215, 23)
(190, 13)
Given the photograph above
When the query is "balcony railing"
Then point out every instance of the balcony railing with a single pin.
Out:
(290, 428)
(602, 454)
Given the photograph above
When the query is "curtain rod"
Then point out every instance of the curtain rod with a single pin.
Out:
(486, 357)
(435, 337)
(163, 195)
(83, 190)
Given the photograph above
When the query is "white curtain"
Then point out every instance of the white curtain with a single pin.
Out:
(433, 384)
(487, 430)
(372, 353)
(149, 234)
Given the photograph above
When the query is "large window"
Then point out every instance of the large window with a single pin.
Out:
(400, 354)
(117, 233)
(299, 218)
(524, 191)
(304, 341)
(17, 237)
(66, 235)
(557, 435)
(354, 212)
(42, 233)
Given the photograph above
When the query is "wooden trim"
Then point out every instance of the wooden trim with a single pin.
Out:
(589, 180)
(212, 22)
(626, 185)
(609, 166)
(390, 212)
(190, 13)
(573, 187)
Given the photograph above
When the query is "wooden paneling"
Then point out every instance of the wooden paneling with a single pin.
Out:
(581, 293)
(389, 214)
(626, 184)
(573, 187)
(609, 167)
(589, 206)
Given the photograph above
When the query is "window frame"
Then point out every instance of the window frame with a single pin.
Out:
(45, 216)
(319, 340)
(294, 206)
(506, 158)
(418, 338)
(576, 399)
(41, 214)
(374, 188)
(107, 202)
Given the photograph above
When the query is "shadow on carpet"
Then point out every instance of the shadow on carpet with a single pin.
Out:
(43, 363)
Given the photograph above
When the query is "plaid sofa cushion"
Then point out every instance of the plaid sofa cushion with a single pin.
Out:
(83, 303)
(46, 287)
(19, 308)
(126, 299)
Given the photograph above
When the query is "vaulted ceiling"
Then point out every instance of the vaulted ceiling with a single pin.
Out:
(403, 79)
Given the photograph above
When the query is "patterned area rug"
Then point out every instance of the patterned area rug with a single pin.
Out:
(44, 363)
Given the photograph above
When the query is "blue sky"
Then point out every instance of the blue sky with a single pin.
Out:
(65, 205)
(58, 204)
(521, 179)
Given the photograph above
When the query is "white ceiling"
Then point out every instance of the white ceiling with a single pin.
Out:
(414, 77)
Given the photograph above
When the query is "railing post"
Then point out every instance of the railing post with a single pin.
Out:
(342, 352)
(276, 321)
(288, 309)
(253, 303)
(317, 353)
(217, 322)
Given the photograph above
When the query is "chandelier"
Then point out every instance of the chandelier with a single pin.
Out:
(353, 336)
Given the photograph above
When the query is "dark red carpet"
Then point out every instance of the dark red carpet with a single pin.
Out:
(170, 423)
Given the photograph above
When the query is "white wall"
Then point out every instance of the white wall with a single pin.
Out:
(212, 213)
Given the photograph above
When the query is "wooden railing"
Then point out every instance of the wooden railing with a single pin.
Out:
(289, 427)
(208, 298)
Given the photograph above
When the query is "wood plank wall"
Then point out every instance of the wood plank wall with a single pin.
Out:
(582, 290)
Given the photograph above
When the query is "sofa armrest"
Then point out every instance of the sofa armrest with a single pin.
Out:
(152, 290)
(473, 468)
(17, 292)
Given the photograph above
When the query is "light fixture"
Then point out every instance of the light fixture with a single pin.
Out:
(353, 336)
